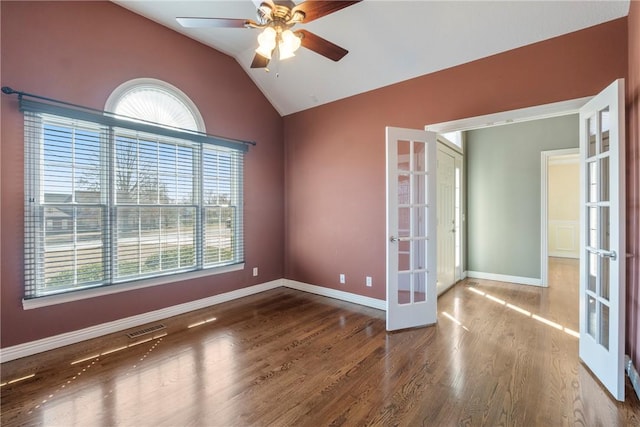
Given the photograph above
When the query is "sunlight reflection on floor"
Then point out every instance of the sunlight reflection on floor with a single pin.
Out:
(454, 320)
(525, 312)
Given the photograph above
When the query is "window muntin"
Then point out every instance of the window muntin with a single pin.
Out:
(108, 205)
(453, 137)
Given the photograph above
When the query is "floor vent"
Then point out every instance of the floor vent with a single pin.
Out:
(472, 283)
(145, 331)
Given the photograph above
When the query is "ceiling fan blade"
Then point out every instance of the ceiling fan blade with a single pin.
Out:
(322, 46)
(317, 9)
(259, 61)
(213, 22)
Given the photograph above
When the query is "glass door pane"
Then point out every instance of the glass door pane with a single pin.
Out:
(597, 215)
(412, 219)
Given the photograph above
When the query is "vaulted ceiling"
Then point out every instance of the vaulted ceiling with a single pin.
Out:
(388, 41)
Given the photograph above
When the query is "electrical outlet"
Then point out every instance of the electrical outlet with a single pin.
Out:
(255, 271)
(342, 279)
(368, 281)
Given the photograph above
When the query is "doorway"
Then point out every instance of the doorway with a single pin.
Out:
(505, 215)
(560, 207)
(602, 245)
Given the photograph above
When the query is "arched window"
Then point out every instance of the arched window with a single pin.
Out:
(130, 197)
(155, 101)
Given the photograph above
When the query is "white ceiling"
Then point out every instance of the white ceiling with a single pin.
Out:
(388, 41)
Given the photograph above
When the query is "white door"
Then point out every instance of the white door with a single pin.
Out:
(602, 238)
(446, 220)
(411, 228)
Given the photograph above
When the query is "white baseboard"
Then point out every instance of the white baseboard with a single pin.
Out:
(532, 281)
(632, 373)
(558, 254)
(464, 275)
(50, 343)
(30, 348)
(334, 293)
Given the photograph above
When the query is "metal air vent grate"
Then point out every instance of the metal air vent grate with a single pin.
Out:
(145, 331)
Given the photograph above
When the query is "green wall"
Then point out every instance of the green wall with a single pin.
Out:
(503, 193)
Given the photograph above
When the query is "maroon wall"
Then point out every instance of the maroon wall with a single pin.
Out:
(633, 185)
(335, 154)
(80, 52)
(333, 170)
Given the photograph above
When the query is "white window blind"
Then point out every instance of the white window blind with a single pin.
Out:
(110, 201)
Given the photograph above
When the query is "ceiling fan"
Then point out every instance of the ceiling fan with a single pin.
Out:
(276, 18)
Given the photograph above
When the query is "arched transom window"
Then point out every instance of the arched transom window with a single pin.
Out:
(157, 102)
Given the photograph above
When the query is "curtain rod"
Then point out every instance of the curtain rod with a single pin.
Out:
(9, 91)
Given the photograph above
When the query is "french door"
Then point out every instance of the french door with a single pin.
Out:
(602, 239)
(411, 228)
(448, 199)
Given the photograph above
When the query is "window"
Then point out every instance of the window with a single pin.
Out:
(454, 137)
(112, 200)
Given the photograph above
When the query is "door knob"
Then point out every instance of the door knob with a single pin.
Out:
(393, 239)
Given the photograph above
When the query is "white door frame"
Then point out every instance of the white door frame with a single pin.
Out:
(538, 112)
(544, 209)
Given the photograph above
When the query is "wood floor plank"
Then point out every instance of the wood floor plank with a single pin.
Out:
(500, 354)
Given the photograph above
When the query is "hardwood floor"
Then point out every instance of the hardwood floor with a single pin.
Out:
(500, 354)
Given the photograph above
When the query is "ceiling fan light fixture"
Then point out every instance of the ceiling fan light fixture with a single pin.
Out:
(266, 42)
(285, 54)
(289, 43)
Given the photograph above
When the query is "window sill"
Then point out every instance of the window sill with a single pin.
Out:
(32, 303)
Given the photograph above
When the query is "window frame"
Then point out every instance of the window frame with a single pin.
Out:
(33, 187)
